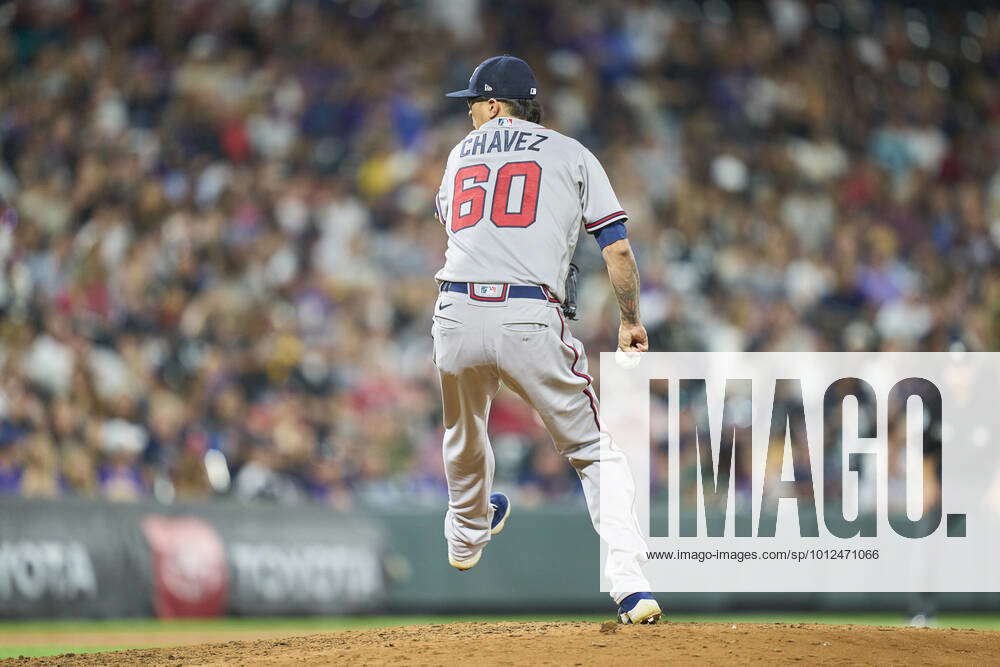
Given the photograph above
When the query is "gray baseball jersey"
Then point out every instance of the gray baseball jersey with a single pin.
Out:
(513, 197)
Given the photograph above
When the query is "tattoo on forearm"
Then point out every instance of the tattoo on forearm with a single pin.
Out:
(627, 291)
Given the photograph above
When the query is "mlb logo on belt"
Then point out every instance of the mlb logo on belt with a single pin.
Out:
(488, 291)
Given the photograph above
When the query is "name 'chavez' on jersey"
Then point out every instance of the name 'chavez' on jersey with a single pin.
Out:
(508, 141)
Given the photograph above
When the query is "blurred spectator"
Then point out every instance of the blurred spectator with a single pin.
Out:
(41, 470)
(77, 473)
(11, 465)
(119, 476)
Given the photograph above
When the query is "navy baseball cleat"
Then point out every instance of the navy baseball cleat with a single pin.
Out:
(639, 608)
(501, 512)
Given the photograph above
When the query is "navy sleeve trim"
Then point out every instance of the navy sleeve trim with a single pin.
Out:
(605, 236)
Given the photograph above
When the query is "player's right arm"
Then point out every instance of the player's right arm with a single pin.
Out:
(624, 275)
(604, 218)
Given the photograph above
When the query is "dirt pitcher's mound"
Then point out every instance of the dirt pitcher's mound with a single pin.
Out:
(581, 643)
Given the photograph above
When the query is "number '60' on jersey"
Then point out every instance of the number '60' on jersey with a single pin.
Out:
(512, 199)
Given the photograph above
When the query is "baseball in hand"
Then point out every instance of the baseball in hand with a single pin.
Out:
(628, 359)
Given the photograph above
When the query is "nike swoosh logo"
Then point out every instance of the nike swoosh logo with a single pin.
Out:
(442, 306)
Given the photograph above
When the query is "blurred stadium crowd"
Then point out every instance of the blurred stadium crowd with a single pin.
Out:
(216, 265)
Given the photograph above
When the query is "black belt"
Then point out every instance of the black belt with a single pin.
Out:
(509, 292)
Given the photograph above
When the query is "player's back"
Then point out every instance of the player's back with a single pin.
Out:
(512, 199)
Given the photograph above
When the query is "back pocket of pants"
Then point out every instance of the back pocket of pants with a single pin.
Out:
(446, 323)
(525, 327)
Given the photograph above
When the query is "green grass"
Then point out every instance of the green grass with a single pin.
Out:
(150, 628)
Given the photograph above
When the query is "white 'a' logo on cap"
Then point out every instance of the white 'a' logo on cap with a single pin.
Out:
(533, 91)
(487, 87)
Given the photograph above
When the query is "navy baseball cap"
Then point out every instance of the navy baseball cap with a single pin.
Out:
(501, 77)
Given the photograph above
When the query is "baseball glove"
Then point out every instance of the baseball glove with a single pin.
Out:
(569, 298)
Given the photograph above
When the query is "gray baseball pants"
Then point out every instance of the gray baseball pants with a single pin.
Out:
(526, 345)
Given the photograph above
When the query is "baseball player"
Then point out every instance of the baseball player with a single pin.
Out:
(512, 199)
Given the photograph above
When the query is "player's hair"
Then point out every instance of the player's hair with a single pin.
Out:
(529, 110)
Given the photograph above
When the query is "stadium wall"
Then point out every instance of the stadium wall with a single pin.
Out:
(95, 559)
(101, 560)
